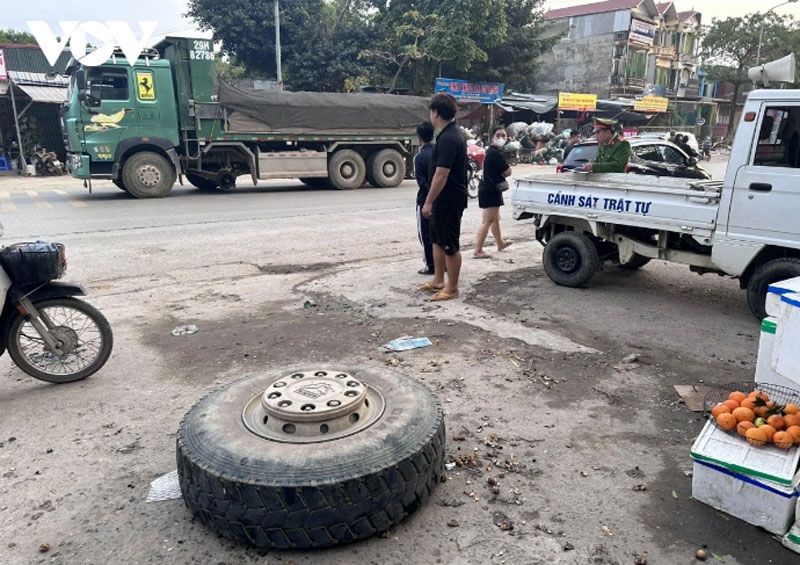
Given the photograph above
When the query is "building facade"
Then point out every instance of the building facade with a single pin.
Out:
(623, 49)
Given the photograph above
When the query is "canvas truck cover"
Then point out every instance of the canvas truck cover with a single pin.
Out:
(257, 111)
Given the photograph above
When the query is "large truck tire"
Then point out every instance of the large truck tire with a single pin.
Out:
(386, 168)
(570, 258)
(201, 182)
(765, 275)
(302, 491)
(346, 169)
(119, 185)
(148, 175)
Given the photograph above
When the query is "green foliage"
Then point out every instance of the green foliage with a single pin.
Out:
(17, 37)
(338, 45)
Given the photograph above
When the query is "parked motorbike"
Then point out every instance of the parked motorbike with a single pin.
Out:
(46, 162)
(705, 150)
(472, 178)
(49, 334)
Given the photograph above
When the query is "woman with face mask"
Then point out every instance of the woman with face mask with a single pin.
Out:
(490, 196)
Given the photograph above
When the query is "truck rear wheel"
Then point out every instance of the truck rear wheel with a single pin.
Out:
(346, 169)
(201, 182)
(765, 275)
(570, 259)
(148, 175)
(386, 168)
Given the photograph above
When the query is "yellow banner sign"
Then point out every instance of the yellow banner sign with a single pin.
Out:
(573, 101)
(651, 104)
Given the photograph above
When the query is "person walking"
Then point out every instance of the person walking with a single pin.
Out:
(422, 165)
(447, 197)
(613, 150)
(490, 196)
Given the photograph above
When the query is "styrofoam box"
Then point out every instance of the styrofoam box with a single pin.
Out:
(754, 484)
(774, 292)
(766, 344)
(786, 353)
(792, 539)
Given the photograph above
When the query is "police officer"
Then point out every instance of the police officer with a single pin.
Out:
(612, 152)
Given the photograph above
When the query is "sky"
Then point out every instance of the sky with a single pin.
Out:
(168, 13)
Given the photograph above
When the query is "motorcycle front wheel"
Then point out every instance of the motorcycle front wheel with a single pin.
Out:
(84, 333)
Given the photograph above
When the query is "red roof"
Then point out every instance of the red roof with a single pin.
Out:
(595, 8)
(686, 15)
(663, 7)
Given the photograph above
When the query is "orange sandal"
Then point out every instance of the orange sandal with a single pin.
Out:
(442, 295)
(428, 287)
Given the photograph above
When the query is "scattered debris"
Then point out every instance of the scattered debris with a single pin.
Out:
(453, 523)
(184, 330)
(407, 342)
(607, 530)
(674, 495)
(640, 487)
(692, 396)
(632, 358)
(449, 466)
(166, 487)
(640, 560)
(701, 555)
(44, 548)
(459, 438)
(568, 547)
(309, 304)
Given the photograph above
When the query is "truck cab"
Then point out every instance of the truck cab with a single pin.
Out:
(116, 110)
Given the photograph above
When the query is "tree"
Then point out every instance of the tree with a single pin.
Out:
(17, 37)
(729, 47)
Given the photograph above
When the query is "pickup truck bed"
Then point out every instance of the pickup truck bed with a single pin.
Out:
(657, 203)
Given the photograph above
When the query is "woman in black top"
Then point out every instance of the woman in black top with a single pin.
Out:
(490, 198)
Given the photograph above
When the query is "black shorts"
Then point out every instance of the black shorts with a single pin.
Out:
(489, 197)
(446, 227)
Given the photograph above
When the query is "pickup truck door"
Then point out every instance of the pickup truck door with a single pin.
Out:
(766, 189)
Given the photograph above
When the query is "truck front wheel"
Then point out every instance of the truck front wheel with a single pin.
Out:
(346, 169)
(570, 259)
(386, 168)
(148, 175)
(765, 275)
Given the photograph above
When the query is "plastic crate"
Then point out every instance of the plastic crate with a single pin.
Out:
(33, 263)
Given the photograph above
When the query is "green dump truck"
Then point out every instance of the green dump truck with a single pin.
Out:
(168, 117)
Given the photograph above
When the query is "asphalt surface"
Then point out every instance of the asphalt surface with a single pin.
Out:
(536, 396)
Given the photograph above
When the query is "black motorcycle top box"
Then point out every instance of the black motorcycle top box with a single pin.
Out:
(33, 262)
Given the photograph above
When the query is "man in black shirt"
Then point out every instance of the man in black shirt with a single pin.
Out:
(447, 197)
(574, 139)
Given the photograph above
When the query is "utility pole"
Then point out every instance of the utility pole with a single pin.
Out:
(278, 45)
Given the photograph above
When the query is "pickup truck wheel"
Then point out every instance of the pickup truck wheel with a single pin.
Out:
(570, 259)
(346, 169)
(768, 273)
(636, 262)
(148, 175)
(310, 457)
(386, 168)
(201, 182)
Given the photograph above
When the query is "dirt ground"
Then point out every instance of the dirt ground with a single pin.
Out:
(537, 399)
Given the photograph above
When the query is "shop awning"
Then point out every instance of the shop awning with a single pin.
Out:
(46, 94)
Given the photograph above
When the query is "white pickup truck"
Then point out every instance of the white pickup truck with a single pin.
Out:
(747, 226)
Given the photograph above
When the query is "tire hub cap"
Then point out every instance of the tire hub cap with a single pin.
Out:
(313, 406)
(347, 170)
(567, 259)
(389, 169)
(149, 175)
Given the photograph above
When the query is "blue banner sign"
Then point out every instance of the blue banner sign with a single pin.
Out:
(465, 91)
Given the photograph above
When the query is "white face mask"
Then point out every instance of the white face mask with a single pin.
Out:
(499, 142)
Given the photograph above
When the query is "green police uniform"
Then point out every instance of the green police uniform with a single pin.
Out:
(613, 157)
